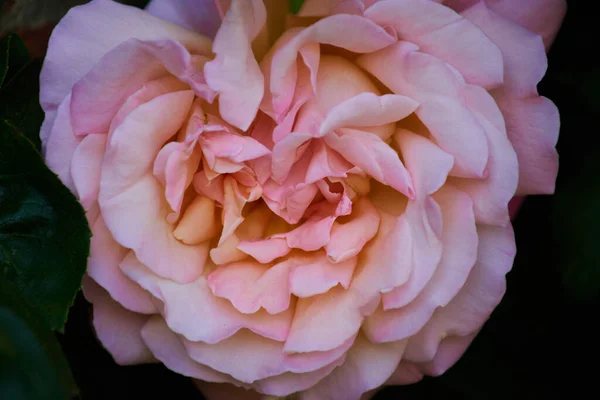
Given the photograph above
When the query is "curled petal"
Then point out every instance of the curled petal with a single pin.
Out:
(375, 157)
(368, 109)
(85, 168)
(446, 35)
(130, 196)
(194, 312)
(234, 73)
(443, 109)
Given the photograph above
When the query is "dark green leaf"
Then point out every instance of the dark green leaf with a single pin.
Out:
(295, 6)
(13, 57)
(32, 365)
(19, 89)
(44, 237)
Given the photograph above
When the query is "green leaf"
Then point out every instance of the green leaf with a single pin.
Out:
(44, 236)
(13, 56)
(32, 365)
(295, 6)
(19, 88)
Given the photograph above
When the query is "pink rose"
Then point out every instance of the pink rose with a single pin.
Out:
(313, 203)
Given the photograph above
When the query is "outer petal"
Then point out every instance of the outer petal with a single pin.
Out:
(459, 254)
(196, 15)
(168, 349)
(117, 328)
(482, 292)
(443, 33)
(234, 73)
(61, 145)
(88, 32)
(85, 168)
(367, 367)
(121, 72)
(103, 267)
(131, 199)
(194, 312)
(533, 126)
(249, 357)
(492, 194)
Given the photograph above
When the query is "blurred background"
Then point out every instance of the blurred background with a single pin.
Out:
(543, 339)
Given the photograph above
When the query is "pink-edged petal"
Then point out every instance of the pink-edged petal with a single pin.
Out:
(523, 51)
(87, 33)
(325, 321)
(372, 155)
(131, 199)
(212, 189)
(348, 239)
(423, 253)
(194, 312)
(121, 72)
(62, 144)
(85, 168)
(434, 84)
(265, 251)
(249, 357)
(368, 109)
(443, 33)
(322, 8)
(168, 348)
(286, 153)
(103, 267)
(459, 254)
(290, 383)
(543, 17)
(428, 165)
(492, 194)
(317, 275)
(251, 286)
(407, 373)
(367, 367)
(234, 73)
(196, 15)
(481, 293)
(235, 148)
(533, 126)
(448, 353)
(350, 32)
(326, 163)
(117, 329)
(147, 92)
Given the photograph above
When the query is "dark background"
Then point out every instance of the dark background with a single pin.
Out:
(542, 340)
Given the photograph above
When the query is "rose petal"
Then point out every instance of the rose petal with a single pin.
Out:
(372, 155)
(368, 109)
(196, 15)
(234, 73)
(103, 267)
(131, 198)
(367, 366)
(121, 72)
(481, 293)
(194, 312)
(444, 34)
(86, 34)
(432, 83)
(117, 328)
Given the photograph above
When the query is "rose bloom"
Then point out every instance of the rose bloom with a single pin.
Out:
(314, 204)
